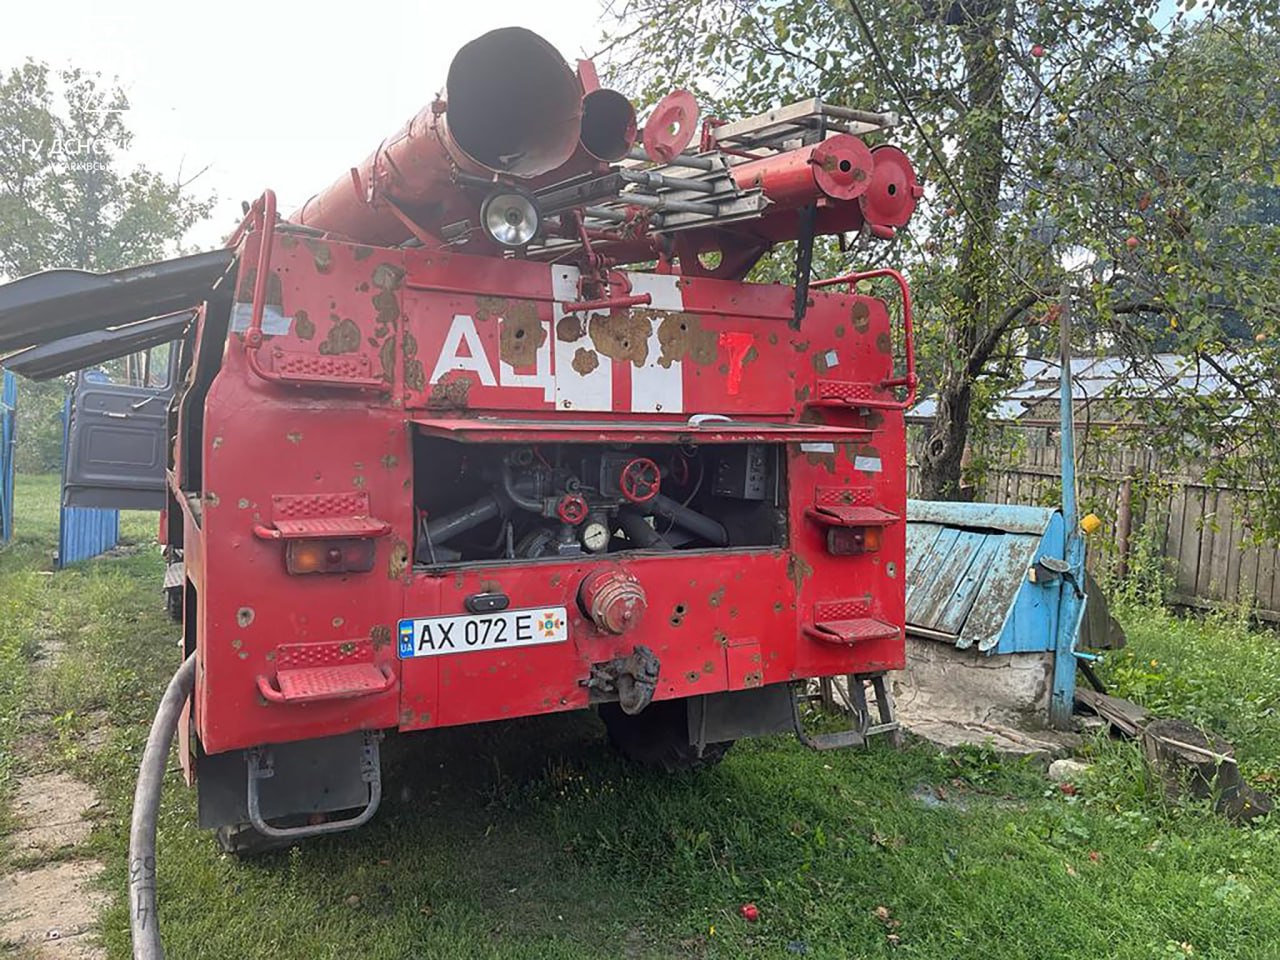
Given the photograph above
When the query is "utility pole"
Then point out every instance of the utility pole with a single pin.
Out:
(1071, 602)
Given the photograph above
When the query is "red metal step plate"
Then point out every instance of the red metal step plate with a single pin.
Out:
(850, 631)
(309, 684)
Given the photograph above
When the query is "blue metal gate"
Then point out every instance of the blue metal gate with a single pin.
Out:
(8, 450)
(83, 532)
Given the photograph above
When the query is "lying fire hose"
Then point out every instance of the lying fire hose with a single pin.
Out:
(144, 923)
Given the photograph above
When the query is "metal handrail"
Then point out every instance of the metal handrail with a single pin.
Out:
(263, 218)
(909, 380)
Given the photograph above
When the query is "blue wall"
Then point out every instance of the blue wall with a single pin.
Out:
(83, 532)
(8, 450)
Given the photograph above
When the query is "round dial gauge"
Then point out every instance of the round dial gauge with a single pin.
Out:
(595, 536)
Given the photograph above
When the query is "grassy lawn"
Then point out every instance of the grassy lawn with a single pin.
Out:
(530, 840)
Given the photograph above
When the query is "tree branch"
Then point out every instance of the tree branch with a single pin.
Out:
(987, 344)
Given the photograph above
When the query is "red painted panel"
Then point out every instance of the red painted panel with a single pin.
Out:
(714, 618)
(697, 606)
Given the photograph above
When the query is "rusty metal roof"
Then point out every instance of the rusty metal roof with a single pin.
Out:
(63, 303)
(58, 357)
(1094, 378)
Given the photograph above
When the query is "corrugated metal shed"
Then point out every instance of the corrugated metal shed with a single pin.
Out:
(85, 532)
(967, 575)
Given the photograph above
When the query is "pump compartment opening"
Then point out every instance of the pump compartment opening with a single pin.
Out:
(492, 502)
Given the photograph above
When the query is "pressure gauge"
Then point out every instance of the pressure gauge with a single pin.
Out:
(595, 536)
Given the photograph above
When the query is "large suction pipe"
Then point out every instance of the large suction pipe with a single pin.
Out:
(144, 921)
(513, 107)
(676, 512)
(608, 125)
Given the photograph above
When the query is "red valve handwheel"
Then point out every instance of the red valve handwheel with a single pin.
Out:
(572, 509)
(640, 480)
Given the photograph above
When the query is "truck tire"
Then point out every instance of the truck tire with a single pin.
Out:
(658, 737)
(242, 840)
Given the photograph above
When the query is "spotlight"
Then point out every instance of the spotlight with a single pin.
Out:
(510, 217)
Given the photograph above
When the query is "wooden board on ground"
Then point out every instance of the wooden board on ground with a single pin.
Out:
(1125, 716)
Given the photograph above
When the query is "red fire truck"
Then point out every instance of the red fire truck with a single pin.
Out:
(495, 426)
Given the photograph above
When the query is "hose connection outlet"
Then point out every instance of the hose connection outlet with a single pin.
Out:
(613, 599)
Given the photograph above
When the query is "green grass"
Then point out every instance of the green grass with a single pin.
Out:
(39, 607)
(529, 840)
(1212, 670)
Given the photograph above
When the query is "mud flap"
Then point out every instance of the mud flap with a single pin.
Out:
(309, 778)
(737, 714)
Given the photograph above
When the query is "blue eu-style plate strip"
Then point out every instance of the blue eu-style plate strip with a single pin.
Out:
(406, 638)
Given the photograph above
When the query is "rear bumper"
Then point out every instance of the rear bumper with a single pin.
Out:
(716, 621)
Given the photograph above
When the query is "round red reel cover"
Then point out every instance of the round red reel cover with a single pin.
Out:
(891, 197)
(843, 166)
(671, 126)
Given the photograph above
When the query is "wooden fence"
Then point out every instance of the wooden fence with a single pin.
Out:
(1157, 522)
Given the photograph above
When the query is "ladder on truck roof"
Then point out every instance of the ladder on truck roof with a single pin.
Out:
(696, 189)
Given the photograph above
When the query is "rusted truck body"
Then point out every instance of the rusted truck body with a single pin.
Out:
(496, 427)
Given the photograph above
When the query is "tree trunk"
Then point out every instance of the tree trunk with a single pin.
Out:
(941, 458)
(1202, 766)
(977, 273)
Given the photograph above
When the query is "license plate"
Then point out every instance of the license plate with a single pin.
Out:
(433, 636)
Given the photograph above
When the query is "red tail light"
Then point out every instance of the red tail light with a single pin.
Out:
(847, 541)
(329, 556)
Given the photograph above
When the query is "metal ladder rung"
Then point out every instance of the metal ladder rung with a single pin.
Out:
(862, 728)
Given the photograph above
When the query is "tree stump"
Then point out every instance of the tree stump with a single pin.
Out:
(1191, 763)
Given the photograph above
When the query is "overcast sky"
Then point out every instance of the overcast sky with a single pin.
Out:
(272, 93)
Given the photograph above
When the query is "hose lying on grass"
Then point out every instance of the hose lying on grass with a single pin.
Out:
(144, 923)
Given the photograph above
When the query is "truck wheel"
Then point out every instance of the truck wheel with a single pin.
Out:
(242, 840)
(173, 603)
(658, 737)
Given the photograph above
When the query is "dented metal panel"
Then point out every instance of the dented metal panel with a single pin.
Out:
(61, 303)
(49, 360)
(968, 577)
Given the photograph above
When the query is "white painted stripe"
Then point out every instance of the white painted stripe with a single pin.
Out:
(655, 388)
(574, 390)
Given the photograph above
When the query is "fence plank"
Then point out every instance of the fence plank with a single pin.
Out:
(1176, 542)
(1206, 585)
(1266, 591)
(1231, 549)
(1195, 526)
